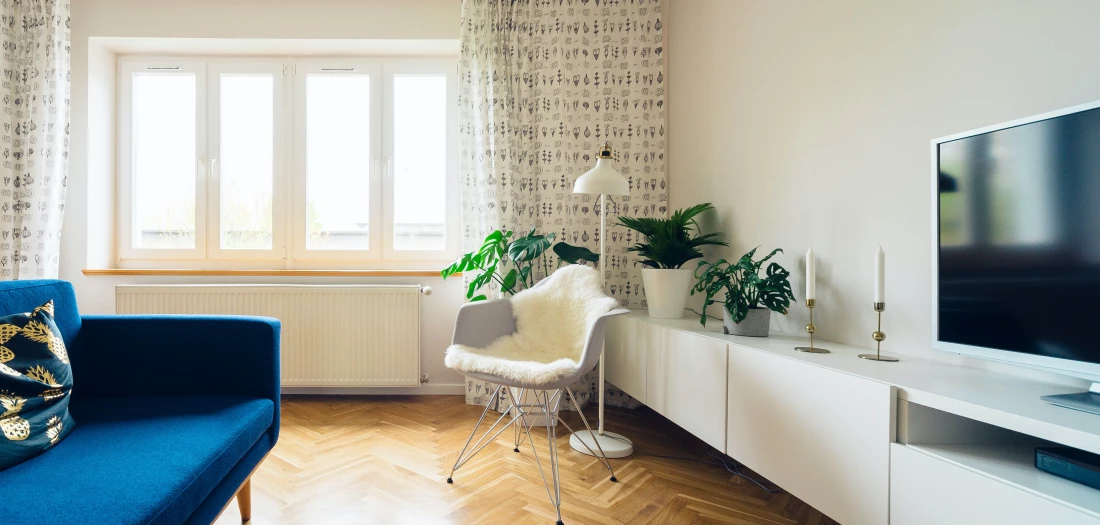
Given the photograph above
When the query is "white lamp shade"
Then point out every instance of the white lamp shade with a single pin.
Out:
(602, 179)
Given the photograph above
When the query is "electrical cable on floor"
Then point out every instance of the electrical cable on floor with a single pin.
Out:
(731, 466)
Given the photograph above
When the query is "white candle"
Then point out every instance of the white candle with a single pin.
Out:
(811, 275)
(880, 276)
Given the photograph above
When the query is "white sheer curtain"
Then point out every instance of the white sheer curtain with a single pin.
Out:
(34, 96)
(542, 84)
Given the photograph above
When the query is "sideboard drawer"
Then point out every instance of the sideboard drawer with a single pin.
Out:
(625, 351)
(686, 382)
(822, 435)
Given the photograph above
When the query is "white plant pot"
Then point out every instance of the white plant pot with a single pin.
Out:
(666, 291)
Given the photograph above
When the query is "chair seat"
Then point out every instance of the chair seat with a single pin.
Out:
(135, 460)
(513, 372)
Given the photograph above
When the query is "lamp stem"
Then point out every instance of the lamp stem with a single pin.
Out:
(603, 281)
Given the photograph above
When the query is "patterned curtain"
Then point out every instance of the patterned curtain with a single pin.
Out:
(35, 115)
(542, 84)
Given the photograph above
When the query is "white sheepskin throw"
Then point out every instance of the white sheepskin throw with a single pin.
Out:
(552, 321)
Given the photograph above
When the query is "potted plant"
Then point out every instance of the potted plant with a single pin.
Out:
(750, 297)
(511, 262)
(669, 244)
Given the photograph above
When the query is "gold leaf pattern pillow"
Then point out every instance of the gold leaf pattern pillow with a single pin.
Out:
(35, 382)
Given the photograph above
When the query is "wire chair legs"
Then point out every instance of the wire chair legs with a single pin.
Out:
(545, 405)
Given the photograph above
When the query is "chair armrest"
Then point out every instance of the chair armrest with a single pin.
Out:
(135, 355)
(593, 346)
(483, 322)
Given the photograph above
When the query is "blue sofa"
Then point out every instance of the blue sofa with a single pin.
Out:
(173, 414)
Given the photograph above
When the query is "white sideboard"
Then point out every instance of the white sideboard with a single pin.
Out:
(914, 442)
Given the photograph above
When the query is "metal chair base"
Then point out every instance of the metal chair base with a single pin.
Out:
(547, 406)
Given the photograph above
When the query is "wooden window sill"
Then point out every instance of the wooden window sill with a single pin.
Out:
(262, 273)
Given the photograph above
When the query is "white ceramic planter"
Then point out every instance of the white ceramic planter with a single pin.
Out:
(666, 291)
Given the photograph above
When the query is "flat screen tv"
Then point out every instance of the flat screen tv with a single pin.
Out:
(1016, 242)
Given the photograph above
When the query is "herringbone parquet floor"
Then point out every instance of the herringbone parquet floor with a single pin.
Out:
(384, 460)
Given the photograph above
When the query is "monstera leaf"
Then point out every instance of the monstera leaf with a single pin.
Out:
(575, 254)
(530, 246)
(513, 264)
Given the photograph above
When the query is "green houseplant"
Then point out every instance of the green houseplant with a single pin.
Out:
(511, 261)
(749, 296)
(668, 245)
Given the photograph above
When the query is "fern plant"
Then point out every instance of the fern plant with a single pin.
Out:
(511, 262)
(670, 243)
(745, 289)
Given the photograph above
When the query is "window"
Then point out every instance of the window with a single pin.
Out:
(287, 163)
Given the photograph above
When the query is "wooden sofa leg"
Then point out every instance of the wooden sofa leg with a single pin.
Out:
(244, 500)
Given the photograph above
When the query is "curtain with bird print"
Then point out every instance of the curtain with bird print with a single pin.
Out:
(35, 120)
(542, 83)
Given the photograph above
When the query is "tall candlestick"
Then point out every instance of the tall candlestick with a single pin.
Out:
(811, 329)
(879, 336)
(880, 276)
(811, 274)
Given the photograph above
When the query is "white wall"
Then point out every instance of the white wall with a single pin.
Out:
(809, 123)
(89, 223)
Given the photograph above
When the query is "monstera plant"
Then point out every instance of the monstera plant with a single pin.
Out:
(512, 262)
(748, 295)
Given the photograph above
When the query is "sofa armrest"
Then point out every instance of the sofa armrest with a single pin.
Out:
(483, 322)
(143, 355)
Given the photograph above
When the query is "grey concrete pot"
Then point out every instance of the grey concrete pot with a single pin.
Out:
(755, 324)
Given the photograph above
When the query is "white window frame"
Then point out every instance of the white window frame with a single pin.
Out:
(127, 192)
(289, 185)
(215, 69)
(303, 69)
(451, 233)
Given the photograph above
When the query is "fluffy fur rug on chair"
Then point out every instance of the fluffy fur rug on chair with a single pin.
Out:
(552, 321)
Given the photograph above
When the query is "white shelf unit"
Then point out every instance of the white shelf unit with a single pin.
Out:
(1014, 465)
(974, 470)
(913, 442)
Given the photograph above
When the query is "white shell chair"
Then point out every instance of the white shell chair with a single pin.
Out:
(482, 323)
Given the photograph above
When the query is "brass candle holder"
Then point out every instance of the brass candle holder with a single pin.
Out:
(810, 329)
(879, 336)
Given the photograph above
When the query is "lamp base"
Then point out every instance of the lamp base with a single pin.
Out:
(613, 445)
(814, 350)
(877, 357)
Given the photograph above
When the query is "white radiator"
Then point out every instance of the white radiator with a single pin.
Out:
(332, 336)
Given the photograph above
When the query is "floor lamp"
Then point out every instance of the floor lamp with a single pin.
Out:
(603, 180)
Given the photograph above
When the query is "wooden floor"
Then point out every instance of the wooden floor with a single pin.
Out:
(384, 460)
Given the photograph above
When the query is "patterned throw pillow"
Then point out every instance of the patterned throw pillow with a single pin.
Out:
(35, 382)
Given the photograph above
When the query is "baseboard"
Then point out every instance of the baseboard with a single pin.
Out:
(440, 389)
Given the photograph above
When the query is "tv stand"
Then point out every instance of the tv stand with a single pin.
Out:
(910, 443)
(1084, 401)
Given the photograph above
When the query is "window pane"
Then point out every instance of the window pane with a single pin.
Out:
(164, 160)
(246, 165)
(420, 162)
(337, 162)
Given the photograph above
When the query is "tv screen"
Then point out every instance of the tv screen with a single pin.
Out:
(1019, 238)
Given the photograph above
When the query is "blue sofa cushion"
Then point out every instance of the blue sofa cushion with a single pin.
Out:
(35, 382)
(144, 460)
(23, 296)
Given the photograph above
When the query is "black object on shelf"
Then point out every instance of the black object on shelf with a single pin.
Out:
(1070, 463)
